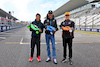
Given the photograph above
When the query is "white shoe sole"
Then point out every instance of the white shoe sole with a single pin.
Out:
(31, 61)
(64, 61)
(38, 60)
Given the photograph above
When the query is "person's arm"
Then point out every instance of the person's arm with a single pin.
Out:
(41, 31)
(30, 28)
(56, 25)
(61, 25)
(45, 25)
(73, 26)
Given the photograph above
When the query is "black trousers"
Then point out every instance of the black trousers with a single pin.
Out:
(35, 41)
(68, 42)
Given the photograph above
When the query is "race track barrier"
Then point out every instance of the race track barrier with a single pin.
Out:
(88, 29)
(6, 28)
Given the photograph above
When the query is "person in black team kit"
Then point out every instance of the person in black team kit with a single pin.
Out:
(67, 36)
(35, 38)
(50, 35)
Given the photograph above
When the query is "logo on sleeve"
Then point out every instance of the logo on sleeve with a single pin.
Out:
(69, 22)
(63, 23)
(53, 20)
(47, 20)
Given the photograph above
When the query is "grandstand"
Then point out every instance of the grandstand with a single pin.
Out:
(85, 15)
(8, 22)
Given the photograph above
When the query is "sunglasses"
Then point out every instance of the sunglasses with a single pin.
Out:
(66, 15)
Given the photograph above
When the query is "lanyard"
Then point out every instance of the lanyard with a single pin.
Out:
(50, 22)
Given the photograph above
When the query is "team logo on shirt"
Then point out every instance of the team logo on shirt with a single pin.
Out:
(69, 22)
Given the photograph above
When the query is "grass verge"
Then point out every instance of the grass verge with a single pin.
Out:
(94, 33)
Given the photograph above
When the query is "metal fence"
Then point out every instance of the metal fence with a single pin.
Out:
(7, 24)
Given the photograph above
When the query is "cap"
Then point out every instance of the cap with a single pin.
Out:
(38, 14)
(50, 12)
(67, 13)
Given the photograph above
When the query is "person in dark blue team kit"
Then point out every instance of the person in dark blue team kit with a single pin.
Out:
(67, 35)
(35, 38)
(50, 22)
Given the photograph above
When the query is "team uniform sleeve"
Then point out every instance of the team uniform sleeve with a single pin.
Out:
(45, 24)
(56, 25)
(73, 25)
(30, 28)
(42, 27)
(61, 25)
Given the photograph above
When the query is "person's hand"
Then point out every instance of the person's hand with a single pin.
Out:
(61, 27)
(47, 29)
(72, 28)
(67, 27)
(49, 25)
(40, 30)
(54, 31)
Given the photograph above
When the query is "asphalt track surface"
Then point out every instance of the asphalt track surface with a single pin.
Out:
(15, 50)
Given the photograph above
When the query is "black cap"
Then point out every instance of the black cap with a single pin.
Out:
(50, 12)
(38, 14)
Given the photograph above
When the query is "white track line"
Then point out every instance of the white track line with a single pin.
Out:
(2, 37)
(41, 43)
(5, 33)
(21, 41)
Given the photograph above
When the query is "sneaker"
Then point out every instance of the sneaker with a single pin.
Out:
(55, 61)
(71, 63)
(31, 59)
(39, 59)
(64, 60)
(48, 59)
(70, 60)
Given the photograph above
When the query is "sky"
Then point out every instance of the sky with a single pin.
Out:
(25, 10)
